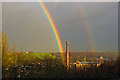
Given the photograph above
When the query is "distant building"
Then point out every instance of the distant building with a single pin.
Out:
(83, 65)
(101, 59)
(77, 65)
(85, 59)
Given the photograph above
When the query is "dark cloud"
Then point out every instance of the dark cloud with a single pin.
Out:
(27, 26)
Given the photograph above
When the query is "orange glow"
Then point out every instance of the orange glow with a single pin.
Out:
(67, 54)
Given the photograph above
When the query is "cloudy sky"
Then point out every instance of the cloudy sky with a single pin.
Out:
(27, 27)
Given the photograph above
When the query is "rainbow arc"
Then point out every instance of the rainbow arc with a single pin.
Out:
(53, 28)
(56, 34)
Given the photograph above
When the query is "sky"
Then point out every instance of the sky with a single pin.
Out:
(27, 27)
(60, 0)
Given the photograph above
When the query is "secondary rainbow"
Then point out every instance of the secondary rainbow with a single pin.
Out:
(55, 32)
(87, 28)
(53, 28)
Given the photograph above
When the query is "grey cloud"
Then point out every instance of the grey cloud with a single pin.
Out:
(27, 26)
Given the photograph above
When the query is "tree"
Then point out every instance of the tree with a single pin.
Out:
(4, 47)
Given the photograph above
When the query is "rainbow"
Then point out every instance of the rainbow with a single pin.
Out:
(54, 29)
(55, 32)
(87, 28)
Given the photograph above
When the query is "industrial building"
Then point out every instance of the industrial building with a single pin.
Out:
(81, 65)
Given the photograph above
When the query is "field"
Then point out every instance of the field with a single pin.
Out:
(31, 56)
(25, 58)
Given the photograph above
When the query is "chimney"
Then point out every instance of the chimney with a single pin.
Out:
(67, 54)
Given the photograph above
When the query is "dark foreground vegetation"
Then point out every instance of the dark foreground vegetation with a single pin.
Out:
(53, 68)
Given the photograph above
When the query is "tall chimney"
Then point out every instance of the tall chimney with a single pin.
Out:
(67, 54)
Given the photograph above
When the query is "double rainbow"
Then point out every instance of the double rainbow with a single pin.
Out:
(55, 32)
(87, 28)
(53, 28)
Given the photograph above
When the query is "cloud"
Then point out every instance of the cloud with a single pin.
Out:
(27, 26)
